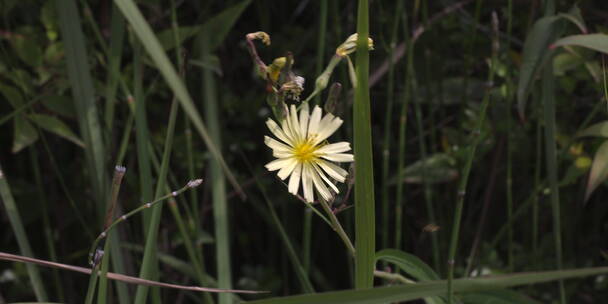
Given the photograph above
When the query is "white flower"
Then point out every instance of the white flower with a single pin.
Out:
(304, 153)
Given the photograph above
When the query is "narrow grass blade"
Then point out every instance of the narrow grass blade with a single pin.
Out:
(24, 244)
(433, 288)
(148, 39)
(84, 96)
(149, 264)
(218, 181)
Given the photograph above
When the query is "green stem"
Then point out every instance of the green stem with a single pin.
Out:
(463, 186)
(548, 99)
(337, 227)
(386, 146)
(365, 226)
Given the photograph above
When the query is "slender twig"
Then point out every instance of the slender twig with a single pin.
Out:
(116, 276)
(337, 227)
(102, 235)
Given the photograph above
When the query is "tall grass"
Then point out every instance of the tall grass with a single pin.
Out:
(365, 223)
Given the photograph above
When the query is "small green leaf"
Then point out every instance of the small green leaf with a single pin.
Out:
(599, 130)
(599, 169)
(12, 95)
(28, 50)
(24, 135)
(56, 126)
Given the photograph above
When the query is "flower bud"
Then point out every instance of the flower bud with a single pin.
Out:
(350, 45)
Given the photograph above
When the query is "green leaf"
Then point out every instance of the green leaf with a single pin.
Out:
(599, 130)
(56, 126)
(62, 105)
(159, 57)
(436, 168)
(12, 95)
(219, 25)
(597, 42)
(503, 296)
(412, 266)
(409, 263)
(167, 37)
(599, 169)
(432, 288)
(210, 62)
(24, 135)
(574, 15)
(535, 49)
(27, 49)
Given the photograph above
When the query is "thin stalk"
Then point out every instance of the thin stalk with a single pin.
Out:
(365, 226)
(399, 197)
(24, 244)
(386, 143)
(48, 230)
(150, 262)
(191, 184)
(428, 196)
(337, 227)
(548, 101)
(307, 222)
(218, 181)
(537, 172)
(321, 42)
(463, 186)
(509, 181)
(114, 58)
(119, 172)
(91, 289)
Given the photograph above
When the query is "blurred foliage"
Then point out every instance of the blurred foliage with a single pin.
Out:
(38, 120)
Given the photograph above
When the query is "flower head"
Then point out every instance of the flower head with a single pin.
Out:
(350, 45)
(304, 154)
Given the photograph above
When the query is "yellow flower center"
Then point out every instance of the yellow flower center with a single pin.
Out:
(304, 151)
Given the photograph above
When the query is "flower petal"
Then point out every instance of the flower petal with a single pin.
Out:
(332, 170)
(319, 185)
(275, 145)
(326, 180)
(281, 154)
(307, 184)
(338, 147)
(294, 180)
(304, 120)
(327, 127)
(313, 123)
(277, 131)
(278, 164)
(287, 169)
(294, 124)
(339, 157)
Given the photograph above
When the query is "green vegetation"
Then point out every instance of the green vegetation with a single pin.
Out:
(316, 151)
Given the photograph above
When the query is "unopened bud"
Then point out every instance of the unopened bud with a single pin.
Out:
(195, 183)
(350, 45)
(333, 97)
(265, 38)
